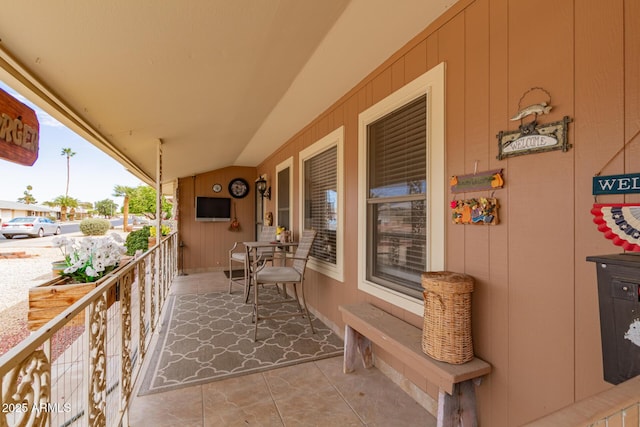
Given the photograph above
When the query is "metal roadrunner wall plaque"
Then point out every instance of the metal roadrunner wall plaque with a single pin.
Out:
(533, 137)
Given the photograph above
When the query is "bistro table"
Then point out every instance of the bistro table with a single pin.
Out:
(256, 260)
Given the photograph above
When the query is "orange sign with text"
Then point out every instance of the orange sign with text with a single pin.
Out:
(19, 131)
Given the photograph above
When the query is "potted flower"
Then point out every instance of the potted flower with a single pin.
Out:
(86, 262)
(90, 258)
(164, 230)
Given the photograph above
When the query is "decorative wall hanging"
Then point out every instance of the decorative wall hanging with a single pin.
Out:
(616, 184)
(481, 210)
(489, 180)
(235, 224)
(533, 137)
(238, 188)
(19, 131)
(620, 223)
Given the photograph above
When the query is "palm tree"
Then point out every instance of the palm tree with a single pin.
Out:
(28, 197)
(67, 152)
(126, 192)
(64, 202)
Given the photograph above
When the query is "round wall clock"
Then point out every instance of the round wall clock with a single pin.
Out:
(217, 188)
(238, 188)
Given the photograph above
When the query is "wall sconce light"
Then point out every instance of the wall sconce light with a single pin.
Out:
(261, 186)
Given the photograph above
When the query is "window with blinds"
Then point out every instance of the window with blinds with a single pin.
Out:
(283, 197)
(396, 198)
(321, 202)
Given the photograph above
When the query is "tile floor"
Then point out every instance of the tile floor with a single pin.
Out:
(309, 394)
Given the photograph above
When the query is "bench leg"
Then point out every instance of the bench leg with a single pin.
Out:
(458, 409)
(355, 343)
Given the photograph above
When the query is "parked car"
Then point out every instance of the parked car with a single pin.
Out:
(32, 226)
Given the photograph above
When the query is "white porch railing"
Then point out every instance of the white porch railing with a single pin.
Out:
(79, 368)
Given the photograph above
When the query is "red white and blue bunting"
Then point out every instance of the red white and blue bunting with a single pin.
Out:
(620, 222)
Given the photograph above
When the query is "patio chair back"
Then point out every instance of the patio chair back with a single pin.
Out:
(303, 249)
(267, 234)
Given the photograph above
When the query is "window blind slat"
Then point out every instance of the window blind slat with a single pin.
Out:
(397, 147)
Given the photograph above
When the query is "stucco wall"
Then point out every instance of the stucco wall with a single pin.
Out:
(535, 308)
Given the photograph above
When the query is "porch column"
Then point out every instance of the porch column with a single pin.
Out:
(159, 255)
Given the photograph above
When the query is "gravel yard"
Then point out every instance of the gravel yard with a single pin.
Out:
(17, 275)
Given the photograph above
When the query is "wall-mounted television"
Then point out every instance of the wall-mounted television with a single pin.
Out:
(213, 208)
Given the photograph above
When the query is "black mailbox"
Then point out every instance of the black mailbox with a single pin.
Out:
(619, 301)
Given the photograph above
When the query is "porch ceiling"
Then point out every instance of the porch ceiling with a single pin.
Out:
(219, 82)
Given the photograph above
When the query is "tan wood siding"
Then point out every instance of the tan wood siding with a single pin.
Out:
(535, 308)
(207, 244)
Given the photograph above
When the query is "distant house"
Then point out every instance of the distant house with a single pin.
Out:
(9, 210)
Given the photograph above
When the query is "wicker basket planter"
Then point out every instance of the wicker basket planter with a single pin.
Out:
(446, 335)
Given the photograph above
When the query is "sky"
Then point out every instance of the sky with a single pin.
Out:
(92, 177)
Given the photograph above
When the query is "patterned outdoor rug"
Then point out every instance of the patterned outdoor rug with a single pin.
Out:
(209, 337)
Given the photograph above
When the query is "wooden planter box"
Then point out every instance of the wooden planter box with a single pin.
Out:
(49, 299)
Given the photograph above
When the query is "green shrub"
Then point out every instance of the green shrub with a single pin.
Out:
(138, 239)
(94, 226)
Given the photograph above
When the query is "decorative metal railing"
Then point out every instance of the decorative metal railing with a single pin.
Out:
(80, 368)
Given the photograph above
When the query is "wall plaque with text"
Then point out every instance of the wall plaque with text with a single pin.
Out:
(534, 138)
(19, 131)
(616, 184)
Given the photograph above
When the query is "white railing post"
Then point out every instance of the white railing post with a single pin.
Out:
(126, 353)
(142, 304)
(96, 391)
(159, 249)
(152, 291)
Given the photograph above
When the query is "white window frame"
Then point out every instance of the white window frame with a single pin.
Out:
(288, 163)
(335, 138)
(432, 83)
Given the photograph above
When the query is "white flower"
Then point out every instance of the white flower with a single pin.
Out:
(90, 257)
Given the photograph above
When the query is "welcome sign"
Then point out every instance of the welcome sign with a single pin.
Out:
(19, 131)
(616, 184)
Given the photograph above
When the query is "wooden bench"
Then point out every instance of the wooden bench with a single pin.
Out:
(365, 324)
